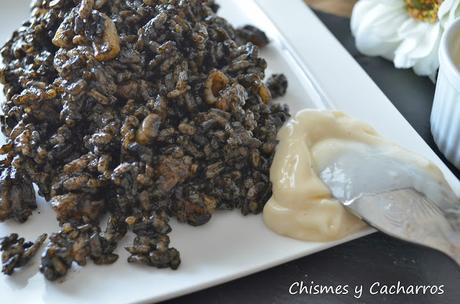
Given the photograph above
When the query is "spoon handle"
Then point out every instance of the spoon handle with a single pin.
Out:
(408, 215)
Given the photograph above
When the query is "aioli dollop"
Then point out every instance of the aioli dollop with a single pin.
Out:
(313, 143)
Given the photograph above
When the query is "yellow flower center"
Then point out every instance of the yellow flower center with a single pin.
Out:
(423, 10)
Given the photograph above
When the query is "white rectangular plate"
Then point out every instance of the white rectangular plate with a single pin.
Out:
(321, 75)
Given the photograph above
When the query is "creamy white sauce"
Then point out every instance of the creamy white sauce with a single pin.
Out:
(352, 157)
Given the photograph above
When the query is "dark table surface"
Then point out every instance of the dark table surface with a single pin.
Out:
(375, 258)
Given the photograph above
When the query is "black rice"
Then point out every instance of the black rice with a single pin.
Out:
(142, 109)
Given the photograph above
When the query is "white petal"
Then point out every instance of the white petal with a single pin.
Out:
(393, 3)
(445, 7)
(359, 11)
(448, 12)
(383, 27)
(381, 18)
(375, 24)
(428, 65)
(423, 36)
(420, 40)
(363, 7)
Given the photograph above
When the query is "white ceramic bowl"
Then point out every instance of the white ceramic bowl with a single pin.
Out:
(445, 116)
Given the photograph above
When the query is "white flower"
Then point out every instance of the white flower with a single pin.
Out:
(408, 32)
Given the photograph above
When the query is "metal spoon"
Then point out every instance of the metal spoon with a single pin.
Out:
(389, 198)
(408, 215)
